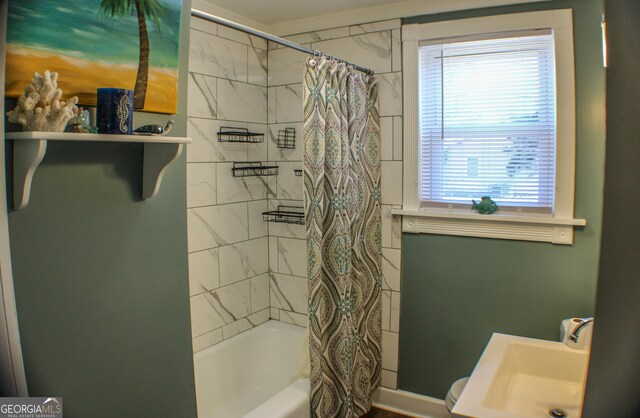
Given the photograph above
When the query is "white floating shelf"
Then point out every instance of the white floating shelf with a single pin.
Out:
(29, 149)
(75, 137)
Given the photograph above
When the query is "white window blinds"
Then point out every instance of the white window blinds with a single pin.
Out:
(487, 122)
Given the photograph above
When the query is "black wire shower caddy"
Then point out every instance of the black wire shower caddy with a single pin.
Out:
(287, 138)
(231, 134)
(285, 214)
(253, 169)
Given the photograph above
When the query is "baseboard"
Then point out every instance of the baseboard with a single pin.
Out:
(410, 404)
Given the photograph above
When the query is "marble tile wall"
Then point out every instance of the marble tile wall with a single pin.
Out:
(244, 271)
(228, 244)
(376, 46)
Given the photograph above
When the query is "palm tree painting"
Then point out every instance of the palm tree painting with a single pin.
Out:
(142, 9)
(130, 44)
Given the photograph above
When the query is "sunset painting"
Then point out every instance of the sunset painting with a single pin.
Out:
(129, 44)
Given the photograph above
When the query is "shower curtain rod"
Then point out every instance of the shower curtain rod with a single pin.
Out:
(269, 37)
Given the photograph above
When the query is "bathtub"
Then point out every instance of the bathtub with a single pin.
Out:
(253, 375)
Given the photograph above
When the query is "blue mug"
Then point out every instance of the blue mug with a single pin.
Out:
(115, 111)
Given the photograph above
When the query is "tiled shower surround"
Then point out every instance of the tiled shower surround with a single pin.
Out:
(227, 240)
(244, 271)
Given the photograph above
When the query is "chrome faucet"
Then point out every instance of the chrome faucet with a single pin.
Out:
(573, 337)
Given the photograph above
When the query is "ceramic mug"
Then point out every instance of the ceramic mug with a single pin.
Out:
(115, 111)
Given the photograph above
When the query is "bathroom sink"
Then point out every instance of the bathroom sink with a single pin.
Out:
(519, 377)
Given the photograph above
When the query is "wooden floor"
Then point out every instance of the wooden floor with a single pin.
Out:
(381, 413)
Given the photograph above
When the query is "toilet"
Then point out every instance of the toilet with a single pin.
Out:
(454, 393)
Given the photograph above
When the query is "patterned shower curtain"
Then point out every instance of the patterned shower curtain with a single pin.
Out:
(342, 206)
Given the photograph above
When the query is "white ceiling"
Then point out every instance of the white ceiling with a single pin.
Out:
(288, 17)
(270, 12)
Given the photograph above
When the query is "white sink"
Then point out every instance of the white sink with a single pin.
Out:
(519, 377)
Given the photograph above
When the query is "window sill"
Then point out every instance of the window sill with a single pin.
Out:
(513, 227)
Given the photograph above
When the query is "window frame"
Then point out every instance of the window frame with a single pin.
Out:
(557, 228)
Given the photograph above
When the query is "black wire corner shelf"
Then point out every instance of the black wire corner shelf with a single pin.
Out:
(297, 172)
(285, 214)
(287, 138)
(231, 134)
(253, 169)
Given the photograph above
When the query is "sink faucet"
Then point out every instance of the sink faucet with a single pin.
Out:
(578, 329)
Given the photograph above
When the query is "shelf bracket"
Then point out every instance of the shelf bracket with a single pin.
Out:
(27, 155)
(157, 158)
(29, 149)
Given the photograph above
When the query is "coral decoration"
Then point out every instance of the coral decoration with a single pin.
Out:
(40, 107)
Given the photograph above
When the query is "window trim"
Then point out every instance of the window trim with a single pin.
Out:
(558, 228)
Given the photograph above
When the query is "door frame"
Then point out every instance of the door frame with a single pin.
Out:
(13, 381)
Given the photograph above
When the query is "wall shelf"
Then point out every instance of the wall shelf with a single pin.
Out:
(285, 214)
(29, 148)
(253, 169)
(287, 138)
(231, 134)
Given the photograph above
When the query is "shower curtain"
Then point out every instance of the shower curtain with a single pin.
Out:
(342, 206)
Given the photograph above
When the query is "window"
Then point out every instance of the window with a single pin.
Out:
(489, 111)
(487, 122)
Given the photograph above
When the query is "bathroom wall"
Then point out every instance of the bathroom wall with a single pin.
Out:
(287, 242)
(227, 239)
(375, 46)
(457, 291)
(614, 369)
(101, 279)
(439, 268)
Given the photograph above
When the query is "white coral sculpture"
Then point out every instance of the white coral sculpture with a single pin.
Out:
(40, 107)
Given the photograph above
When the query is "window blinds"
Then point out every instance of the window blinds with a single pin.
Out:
(487, 122)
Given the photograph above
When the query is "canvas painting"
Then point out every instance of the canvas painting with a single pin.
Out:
(130, 44)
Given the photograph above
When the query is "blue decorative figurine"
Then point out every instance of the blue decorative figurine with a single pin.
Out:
(115, 111)
(485, 207)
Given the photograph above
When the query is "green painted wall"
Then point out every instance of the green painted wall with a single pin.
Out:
(101, 279)
(457, 291)
(614, 367)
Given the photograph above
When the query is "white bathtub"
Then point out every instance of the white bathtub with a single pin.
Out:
(253, 375)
